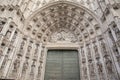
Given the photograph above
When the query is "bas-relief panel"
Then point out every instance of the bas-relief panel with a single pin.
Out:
(63, 35)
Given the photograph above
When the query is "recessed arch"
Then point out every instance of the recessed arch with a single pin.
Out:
(64, 14)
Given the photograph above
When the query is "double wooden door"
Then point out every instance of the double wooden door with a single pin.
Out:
(62, 65)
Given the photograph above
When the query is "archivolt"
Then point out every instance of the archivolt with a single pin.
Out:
(62, 15)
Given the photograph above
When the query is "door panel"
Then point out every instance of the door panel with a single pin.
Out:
(62, 65)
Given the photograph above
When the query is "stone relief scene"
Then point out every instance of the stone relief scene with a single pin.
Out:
(30, 28)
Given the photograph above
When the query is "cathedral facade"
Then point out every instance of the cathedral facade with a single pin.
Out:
(60, 39)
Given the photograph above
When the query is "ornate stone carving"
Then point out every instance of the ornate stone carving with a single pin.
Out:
(32, 72)
(25, 66)
(14, 37)
(85, 77)
(82, 52)
(89, 53)
(32, 67)
(110, 35)
(16, 64)
(116, 30)
(24, 69)
(100, 70)
(1, 54)
(92, 70)
(110, 69)
(96, 51)
(21, 50)
(2, 67)
(104, 49)
(63, 35)
(36, 51)
(39, 71)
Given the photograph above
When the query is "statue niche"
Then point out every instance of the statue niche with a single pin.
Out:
(104, 49)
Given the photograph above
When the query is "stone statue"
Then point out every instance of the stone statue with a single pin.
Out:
(21, 51)
(100, 70)
(29, 48)
(110, 69)
(82, 52)
(36, 51)
(22, 43)
(117, 32)
(84, 69)
(116, 53)
(85, 72)
(1, 54)
(1, 27)
(3, 64)
(39, 71)
(32, 67)
(118, 60)
(89, 52)
(91, 68)
(104, 49)
(16, 64)
(110, 35)
(32, 71)
(92, 71)
(96, 50)
(25, 66)
(14, 37)
(24, 69)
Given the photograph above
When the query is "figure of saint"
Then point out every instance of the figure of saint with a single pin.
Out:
(82, 52)
(104, 49)
(14, 37)
(85, 72)
(117, 32)
(32, 67)
(96, 51)
(110, 69)
(100, 70)
(92, 69)
(16, 64)
(89, 53)
(25, 66)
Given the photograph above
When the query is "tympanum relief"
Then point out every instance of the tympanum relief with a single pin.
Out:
(63, 35)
